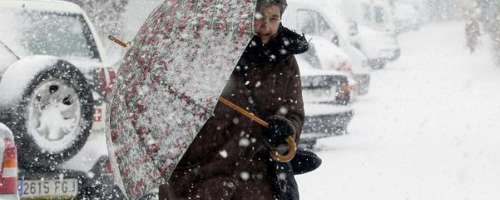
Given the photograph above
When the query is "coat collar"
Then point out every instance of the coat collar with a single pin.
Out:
(277, 50)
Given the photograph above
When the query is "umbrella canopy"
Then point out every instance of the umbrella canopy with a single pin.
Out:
(169, 84)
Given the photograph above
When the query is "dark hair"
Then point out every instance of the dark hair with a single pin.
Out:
(264, 3)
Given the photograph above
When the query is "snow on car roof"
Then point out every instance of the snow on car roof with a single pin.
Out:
(307, 70)
(43, 5)
(330, 55)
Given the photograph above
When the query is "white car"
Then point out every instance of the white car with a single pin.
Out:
(326, 97)
(377, 44)
(8, 165)
(331, 57)
(314, 19)
(330, 43)
(407, 16)
(53, 82)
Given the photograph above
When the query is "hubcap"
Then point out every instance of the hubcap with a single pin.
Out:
(54, 115)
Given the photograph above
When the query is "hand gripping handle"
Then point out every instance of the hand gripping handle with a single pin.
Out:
(275, 155)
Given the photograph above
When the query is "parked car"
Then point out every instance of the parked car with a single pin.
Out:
(53, 82)
(407, 17)
(328, 22)
(377, 44)
(326, 97)
(374, 28)
(331, 57)
(332, 46)
(8, 165)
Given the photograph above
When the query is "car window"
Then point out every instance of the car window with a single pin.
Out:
(323, 25)
(311, 22)
(367, 12)
(306, 21)
(47, 33)
(379, 14)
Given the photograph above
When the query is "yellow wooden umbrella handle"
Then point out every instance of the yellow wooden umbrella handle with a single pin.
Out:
(292, 150)
(292, 146)
(118, 41)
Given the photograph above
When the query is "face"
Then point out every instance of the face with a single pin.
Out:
(267, 22)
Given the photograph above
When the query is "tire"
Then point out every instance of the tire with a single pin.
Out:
(308, 144)
(377, 64)
(53, 120)
(101, 185)
(152, 196)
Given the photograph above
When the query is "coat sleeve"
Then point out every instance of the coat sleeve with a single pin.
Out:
(292, 107)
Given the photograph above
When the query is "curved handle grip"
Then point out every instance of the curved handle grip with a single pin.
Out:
(292, 150)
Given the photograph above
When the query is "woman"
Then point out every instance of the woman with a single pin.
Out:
(230, 157)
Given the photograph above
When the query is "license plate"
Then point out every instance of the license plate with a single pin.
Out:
(59, 188)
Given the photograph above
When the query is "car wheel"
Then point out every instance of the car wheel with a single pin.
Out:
(308, 144)
(378, 65)
(53, 120)
(152, 196)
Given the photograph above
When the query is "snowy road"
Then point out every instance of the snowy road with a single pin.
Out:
(428, 130)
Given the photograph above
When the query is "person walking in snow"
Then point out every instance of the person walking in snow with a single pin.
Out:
(230, 157)
(472, 33)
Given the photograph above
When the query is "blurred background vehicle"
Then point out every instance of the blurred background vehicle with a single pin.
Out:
(368, 26)
(53, 81)
(327, 106)
(407, 17)
(377, 14)
(331, 43)
(381, 46)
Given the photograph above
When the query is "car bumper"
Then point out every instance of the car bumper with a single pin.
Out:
(9, 197)
(90, 185)
(321, 125)
(28, 189)
(376, 63)
(384, 55)
(395, 55)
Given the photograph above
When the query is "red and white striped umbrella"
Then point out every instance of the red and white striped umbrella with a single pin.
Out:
(169, 84)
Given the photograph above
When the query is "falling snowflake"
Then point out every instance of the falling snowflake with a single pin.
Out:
(223, 153)
(244, 176)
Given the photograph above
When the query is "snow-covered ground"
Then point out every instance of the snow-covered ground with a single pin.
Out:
(428, 129)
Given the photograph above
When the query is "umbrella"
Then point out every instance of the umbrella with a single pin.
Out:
(169, 84)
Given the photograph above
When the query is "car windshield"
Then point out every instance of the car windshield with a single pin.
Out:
(30, 32)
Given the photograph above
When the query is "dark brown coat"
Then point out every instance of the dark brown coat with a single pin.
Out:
(228, 159)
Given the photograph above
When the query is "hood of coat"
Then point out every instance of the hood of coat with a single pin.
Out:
(277, 50)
